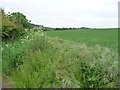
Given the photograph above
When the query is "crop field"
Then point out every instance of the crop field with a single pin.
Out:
(103, 37)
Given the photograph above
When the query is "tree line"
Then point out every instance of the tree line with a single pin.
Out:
(70, 28)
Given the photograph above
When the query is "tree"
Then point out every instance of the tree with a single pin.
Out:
(14, 24)
(20, 19)
(7, 26)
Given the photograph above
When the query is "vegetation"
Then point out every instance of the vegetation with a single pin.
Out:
(71, 28)
(32, 64)
(35, 60)
(103, 37)
(13, 25)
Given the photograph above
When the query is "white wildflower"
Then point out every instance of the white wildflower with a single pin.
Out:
(6, 45)
(42, 34)
(60, 39)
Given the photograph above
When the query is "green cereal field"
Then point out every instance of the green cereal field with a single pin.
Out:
(103, 37)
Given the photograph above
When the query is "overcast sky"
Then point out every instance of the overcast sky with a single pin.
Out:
(67, 13)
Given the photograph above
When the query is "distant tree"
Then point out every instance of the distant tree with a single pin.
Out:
(84, 28)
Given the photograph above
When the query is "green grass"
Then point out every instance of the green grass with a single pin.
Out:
(39, 61)
(102, 37)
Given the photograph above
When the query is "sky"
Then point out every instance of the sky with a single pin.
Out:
(67, 13)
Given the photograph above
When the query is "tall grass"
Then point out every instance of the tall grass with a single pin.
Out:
(44, 62)
(55, 63)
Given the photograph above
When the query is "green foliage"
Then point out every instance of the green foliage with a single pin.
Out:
(13, 53)
(12, 56)
(103, 37)
(44, 62)
(19, 19)
(13, 24)
(7, 26)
